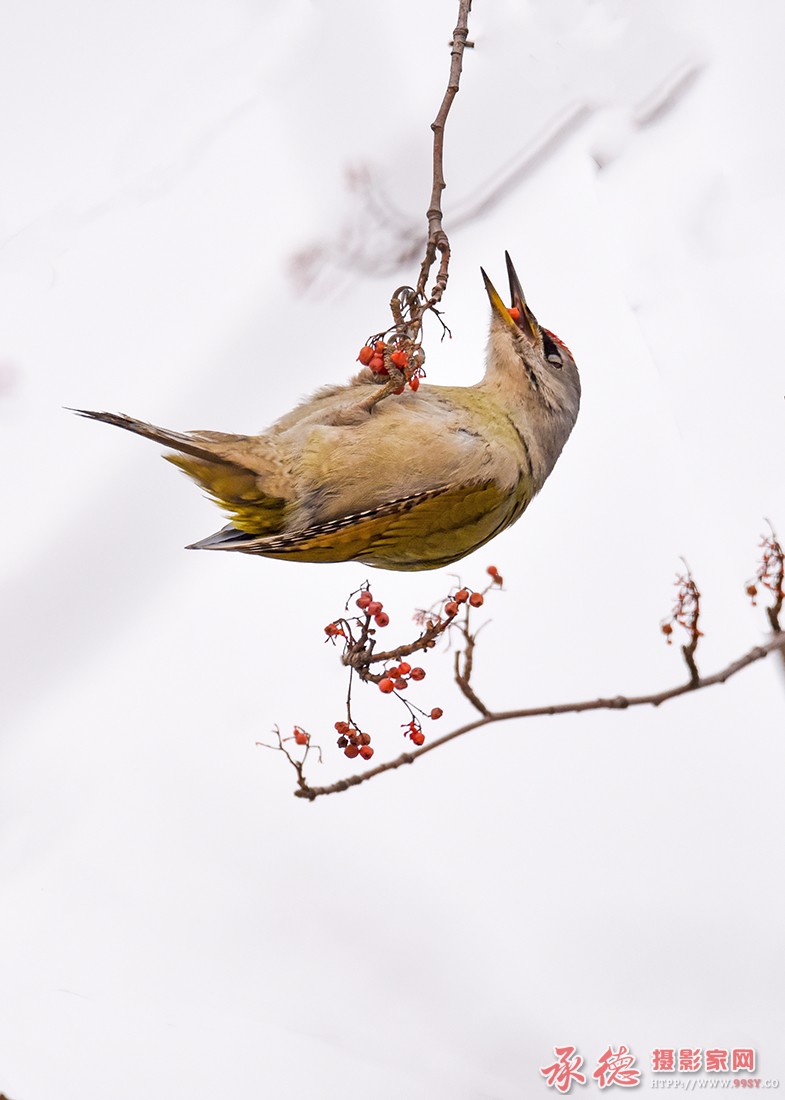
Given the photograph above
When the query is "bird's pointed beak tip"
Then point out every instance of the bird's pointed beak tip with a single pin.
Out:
(497, 304)
(516, 290)
(526, 320)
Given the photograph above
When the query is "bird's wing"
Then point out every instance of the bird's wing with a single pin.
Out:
(423, 531)
(410, 446)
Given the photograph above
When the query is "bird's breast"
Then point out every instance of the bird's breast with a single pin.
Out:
(406, 446)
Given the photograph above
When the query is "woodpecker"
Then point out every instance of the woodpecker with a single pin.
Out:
(412, 482)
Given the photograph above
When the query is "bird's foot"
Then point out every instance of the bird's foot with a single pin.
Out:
(394, 385)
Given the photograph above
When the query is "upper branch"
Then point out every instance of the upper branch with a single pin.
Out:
(437, 238)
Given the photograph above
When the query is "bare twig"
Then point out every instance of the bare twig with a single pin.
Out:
(771, 577)
(690, 599)
(463, 674)
(437, 238)
(619, 702)
(409, 304)
(298, 765)
(686, 613)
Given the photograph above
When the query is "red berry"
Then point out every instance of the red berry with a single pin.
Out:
(414, 383)
(437, 712)
(492, 571)
(386, 686)
(476, 599)
(342, 727)
(451, 608)
(351, 751)
(374, 607)
(667, 629)
(382, 619)
(399, 358)
(332, 630)
(400, 684)
(366, 354)
(462, 595)
(342, 742)
(752, 590)
(377, 365)
(418, 673)
(366, 752)
(365, 738)
(380, 346)
(404, 669)
(400, 389)
(418, 737)
(515, 313)
(363, 599)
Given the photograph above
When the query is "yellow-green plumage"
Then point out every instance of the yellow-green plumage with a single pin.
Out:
(420, 533)
(424, 530)
(237, 492)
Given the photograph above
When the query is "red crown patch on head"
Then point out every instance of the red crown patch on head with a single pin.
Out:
(556, 340)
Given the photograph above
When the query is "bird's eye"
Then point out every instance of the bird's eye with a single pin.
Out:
(551, 349)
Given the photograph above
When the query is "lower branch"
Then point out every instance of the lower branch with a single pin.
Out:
(619, 702)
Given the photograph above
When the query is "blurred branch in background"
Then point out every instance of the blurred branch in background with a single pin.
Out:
(380, 238)
(356, 248)
(452, 618)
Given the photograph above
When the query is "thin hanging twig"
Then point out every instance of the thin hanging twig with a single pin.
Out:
(437, 238)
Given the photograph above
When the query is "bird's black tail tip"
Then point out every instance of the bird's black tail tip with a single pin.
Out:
(228, 538)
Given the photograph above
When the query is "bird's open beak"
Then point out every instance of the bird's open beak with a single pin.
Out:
(519, 317)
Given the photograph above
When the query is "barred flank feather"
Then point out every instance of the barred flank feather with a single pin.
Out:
(425, 531)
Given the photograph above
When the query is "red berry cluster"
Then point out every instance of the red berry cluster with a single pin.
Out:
(374, 609)
(353, 741)
(300, 736)
(397, 676)
(463, 595)
(413, 730)
(374, 358)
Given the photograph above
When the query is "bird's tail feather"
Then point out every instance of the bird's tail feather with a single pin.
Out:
(232, 485)
(184, 442)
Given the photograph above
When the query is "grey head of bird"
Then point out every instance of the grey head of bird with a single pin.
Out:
(533, 372)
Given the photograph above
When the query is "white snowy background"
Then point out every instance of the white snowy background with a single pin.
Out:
(173, 923)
